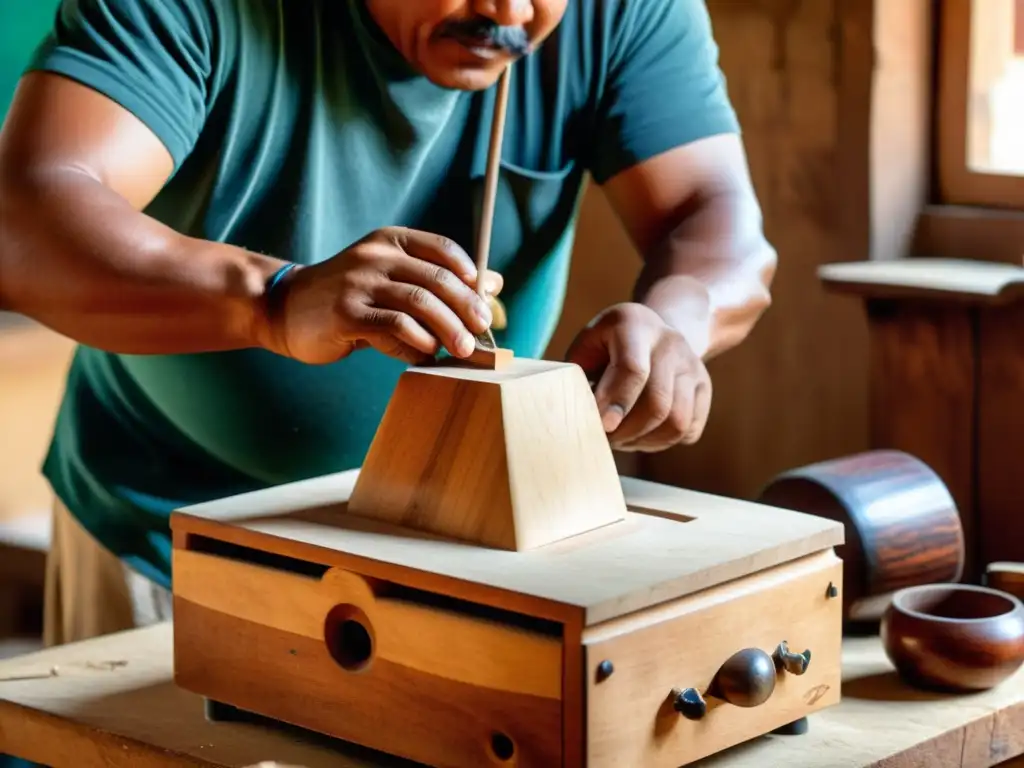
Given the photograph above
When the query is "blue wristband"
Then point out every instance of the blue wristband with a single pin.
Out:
(276, 278)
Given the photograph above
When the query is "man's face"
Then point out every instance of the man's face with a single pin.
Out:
(465, 44)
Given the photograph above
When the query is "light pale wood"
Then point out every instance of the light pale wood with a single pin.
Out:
(970, 280)
(682, 644)
(512, 459)
(496, 359)
(486, 223)
(439, 682)
(464, 649)
(113, 702)
(219, 614)
(677, 542)
(95, 715)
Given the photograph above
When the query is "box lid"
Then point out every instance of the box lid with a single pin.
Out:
(673, 542)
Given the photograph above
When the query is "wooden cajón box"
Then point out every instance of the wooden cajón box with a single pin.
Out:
(486, 590)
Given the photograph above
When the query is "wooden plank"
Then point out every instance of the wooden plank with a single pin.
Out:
(681, 542)
(450, 644)
(969, 232)
(98, 712)
(1000, 441)
(510, 459)
(923, 395)
(949, 279)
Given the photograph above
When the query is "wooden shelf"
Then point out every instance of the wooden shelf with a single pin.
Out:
(947, 383)
(968, 281)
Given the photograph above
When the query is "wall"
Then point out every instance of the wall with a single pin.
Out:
(800, 74)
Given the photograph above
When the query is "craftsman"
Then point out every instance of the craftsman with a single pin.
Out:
(165, 163)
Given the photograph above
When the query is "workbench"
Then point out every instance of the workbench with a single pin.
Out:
(112, 702)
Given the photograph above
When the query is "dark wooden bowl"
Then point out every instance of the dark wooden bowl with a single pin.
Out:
(954, 637)
(902, 525)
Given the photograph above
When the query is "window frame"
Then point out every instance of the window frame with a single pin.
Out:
(957, 183)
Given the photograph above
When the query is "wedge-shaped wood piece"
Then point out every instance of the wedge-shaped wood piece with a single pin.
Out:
(509, 459)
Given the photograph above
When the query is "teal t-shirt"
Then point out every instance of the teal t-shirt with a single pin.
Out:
(296, 128)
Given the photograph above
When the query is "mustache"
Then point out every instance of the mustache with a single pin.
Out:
(515, 40)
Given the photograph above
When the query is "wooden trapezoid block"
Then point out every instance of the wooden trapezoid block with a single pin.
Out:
(510, 459)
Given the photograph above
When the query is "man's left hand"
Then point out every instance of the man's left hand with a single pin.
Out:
(652, 389)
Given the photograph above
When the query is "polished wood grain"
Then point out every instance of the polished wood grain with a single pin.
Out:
(947, 380)
(1006, 577)
(512, 459)
(954, 637)
(250, 592)
(902, 526)
(673, 542)
(406, 628)
(718, 647)
(415, 675)
(1000, 437)
(924, 396)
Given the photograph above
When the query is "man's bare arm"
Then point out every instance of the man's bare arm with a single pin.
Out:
(693, 215)
(78, 255)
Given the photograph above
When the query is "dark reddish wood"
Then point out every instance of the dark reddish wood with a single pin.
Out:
(294, 680)
(969, 232)
(902, 525)
(1006, 577)
(954, 636)
(923, 396)
(947, 383)
(1000, 462)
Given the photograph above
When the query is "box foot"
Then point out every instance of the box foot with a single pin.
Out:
(796, 728)
(219, 712)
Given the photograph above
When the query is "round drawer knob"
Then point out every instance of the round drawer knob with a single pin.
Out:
(746, 679)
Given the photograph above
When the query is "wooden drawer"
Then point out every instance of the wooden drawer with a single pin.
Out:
(631, 720)
(421, 676)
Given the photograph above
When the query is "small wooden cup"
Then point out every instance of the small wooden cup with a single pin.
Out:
(954, 637)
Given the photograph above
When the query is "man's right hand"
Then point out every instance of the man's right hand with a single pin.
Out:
(403, 292)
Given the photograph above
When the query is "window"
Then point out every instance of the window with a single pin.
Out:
(980, 116)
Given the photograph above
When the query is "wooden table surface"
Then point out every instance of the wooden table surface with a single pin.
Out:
(112, 703)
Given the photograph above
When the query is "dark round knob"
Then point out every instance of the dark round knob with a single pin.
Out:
(690, 704)
(746, 679)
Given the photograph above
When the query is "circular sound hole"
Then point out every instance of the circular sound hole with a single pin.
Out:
(349, 637)
(502, 747)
